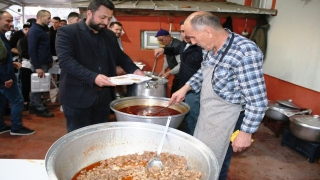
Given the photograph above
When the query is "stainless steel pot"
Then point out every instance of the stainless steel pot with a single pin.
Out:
(280, 110)
(155, 87)
(176, 120)
(306, 127)
(85, 146)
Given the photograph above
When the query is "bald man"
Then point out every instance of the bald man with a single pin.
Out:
(230, 80)
(8, 83)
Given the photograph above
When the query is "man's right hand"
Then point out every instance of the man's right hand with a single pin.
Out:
(8, 83)
(158, 52)
(179, 95)
(102, 80)
(40, 73)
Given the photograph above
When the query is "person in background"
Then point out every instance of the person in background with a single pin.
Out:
(53, 33)
(116, 27)
(73, 17)
(16, 37)
(25, 70)
(63, 22)
(82, 16)
(87, 60)
(191, 58)
(170, 61)
(230, 79)
(8, 84)
(41, 58)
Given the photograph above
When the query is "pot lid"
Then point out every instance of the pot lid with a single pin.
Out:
(288, 103)
(307, 120)
(279, 107)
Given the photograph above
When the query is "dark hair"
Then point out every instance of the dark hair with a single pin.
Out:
(115, 22)
(63, 20)
(56, 18)
(182, 22)
(73, 14)
(95, 4)
(31, 21)
(199, 21)
(42, 13)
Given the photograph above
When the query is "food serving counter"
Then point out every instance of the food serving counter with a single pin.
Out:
(17, 169)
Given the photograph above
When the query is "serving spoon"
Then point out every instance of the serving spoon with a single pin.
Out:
(156, 162)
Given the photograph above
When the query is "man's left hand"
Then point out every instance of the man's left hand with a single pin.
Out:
(241, 142)
(8, 83)
(139, 72)
(17, 65)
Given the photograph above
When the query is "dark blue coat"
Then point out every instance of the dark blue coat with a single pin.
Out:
(6, 67)
(81, 60)
(191, 60)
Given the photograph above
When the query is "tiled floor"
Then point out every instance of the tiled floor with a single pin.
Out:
(265, 159)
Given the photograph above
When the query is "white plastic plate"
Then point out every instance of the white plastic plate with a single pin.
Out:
(129, 79)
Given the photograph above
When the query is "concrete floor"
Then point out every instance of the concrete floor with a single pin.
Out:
(266, 159)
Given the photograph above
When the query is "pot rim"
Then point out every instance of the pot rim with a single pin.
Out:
(114, 102)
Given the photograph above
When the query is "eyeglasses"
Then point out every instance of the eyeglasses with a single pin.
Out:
(161, 39)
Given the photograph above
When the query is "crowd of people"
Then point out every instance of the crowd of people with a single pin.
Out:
(218, 73)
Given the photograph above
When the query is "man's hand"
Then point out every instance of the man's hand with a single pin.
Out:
(161, 73)
(241, 142)
(139, 72)
(120, 71)
(179, 95)
(158, 52)
(17, 65)
(8, 83)
(166, 74)
(40, 73)
(102, 80)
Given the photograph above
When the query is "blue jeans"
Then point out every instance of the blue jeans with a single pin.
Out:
(94, 114)
(13, 94)
(227, 159)
(193, 100)
(35, 99)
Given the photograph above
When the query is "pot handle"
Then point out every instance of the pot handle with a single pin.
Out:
(151, 84)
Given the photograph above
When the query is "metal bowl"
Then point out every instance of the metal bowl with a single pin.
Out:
(85, 146)
(176, 120)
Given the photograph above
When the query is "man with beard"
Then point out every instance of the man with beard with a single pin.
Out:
(41, 58)
(88, 55)
(116, 27)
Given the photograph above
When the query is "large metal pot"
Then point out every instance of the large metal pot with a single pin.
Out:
(281, 109)
(176, 120)
(85, 146)
(306, 127)
(157, 86)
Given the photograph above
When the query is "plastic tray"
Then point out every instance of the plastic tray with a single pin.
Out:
(129, 79)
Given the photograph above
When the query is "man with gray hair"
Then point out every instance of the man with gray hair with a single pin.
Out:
(41, 58)
(230, 80)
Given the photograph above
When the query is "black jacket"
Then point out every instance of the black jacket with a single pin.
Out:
(81, 60)
(191, 59)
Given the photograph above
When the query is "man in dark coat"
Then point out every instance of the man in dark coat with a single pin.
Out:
(88, 54)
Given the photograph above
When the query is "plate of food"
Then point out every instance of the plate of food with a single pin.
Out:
(129, 79)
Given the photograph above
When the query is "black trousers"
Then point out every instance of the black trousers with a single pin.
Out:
(175, 85)
(25, 80)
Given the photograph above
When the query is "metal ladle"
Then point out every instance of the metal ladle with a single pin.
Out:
(156, 161)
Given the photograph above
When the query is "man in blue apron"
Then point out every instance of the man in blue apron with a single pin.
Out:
(230, 79)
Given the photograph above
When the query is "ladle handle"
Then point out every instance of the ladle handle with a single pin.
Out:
(163, 136)
(154, 65)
